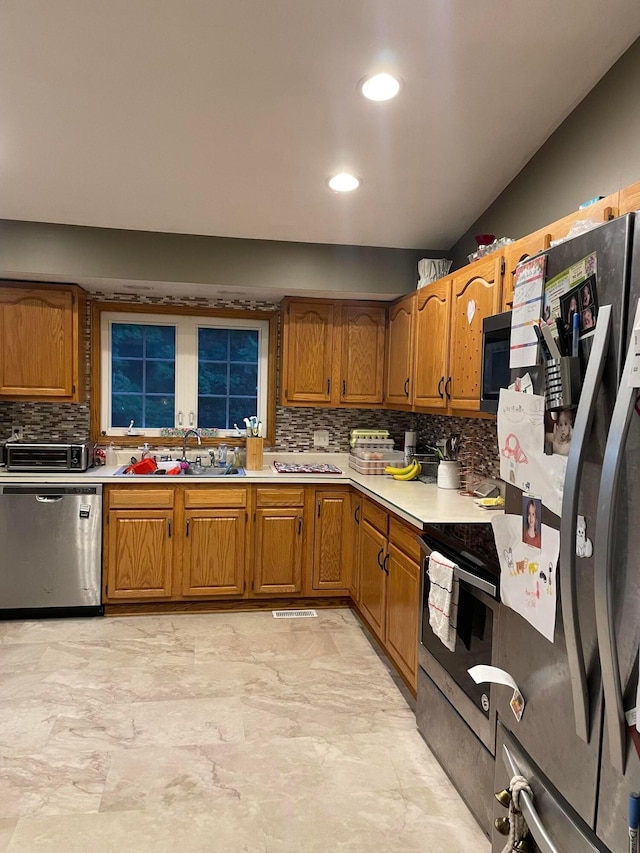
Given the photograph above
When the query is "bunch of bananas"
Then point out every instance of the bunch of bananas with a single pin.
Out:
(410, 472)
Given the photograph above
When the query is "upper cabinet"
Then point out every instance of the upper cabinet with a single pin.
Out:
(332, 353)
(41, 342)
(601, 211)
(629, 199)
(432, 337)
(476, 292)
(400, 352)
(516, 252)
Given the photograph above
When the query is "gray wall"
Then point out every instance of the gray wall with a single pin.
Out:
(595, 151)
(72, 253)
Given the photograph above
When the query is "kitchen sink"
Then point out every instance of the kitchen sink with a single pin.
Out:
(207, 473)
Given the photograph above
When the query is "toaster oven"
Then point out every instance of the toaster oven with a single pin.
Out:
(45, 457)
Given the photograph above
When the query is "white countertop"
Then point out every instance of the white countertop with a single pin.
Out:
(416, 502)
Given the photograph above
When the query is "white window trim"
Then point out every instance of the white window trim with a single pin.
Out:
(186, 379)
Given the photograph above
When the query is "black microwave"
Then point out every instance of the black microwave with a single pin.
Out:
(496, 334)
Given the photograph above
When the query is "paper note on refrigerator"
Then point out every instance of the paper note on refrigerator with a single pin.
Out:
(527, 309)
(528, 576)
(521, 438)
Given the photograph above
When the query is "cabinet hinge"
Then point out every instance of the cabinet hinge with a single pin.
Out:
(502, 267)
(286, 393)
(254, 516)
(73, 389)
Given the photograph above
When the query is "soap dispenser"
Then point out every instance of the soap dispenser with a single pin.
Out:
(111, 456)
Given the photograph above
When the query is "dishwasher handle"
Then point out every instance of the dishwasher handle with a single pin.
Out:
(48, 499)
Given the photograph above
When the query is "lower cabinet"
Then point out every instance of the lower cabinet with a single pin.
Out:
(332, 553)
(354, 572)
(213, 561)
(278, 542)
(390, 585)
(140, 548)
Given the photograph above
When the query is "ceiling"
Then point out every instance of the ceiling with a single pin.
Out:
(226, 117)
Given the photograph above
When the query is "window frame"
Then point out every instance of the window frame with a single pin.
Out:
(104, 313)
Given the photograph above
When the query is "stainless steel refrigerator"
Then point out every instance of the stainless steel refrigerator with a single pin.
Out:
(572, 742)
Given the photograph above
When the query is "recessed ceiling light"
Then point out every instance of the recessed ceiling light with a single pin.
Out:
(344, 182)
(380, 87)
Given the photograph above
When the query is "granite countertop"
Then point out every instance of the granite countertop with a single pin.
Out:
(416, 502)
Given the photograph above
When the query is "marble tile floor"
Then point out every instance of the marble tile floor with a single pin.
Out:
(214, 733)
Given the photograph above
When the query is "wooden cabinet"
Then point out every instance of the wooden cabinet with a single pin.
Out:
(516, 252)
(601, 211)
(308, 332)
(362, 329)
(140, 553)
(214, 542)
(629, 199)
(354, 573)
(475, 294)
(42, 332)
(333, 353)
(332, 541)
(432, 339)
(398, 373)
(373, 545)
(278, 542)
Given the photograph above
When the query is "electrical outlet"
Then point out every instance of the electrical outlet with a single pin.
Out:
(321, 438)
(17, 432)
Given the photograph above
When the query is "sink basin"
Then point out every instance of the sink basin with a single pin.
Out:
(208, 473)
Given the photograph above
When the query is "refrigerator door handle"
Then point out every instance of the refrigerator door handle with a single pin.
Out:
(568, 522)
(603, 550)
(535, 825)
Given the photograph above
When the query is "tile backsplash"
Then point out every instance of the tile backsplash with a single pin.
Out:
(294, 426)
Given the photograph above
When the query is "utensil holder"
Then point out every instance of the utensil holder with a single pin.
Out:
(562, 382)
(255, 448)
(448, 475)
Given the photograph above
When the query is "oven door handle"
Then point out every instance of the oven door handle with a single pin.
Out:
(478, 583)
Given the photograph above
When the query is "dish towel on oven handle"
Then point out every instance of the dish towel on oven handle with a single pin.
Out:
(443, 599)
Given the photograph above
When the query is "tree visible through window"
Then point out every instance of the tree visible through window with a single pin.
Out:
(227, 376)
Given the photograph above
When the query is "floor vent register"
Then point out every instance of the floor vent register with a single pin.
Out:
(294, 614)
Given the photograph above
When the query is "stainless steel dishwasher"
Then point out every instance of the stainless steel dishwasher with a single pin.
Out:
(50, 550)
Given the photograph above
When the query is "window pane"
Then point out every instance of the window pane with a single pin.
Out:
(212, 378)
(126, 340)
(243, 345)
(159, 411)
(126, 375)
(243, 380)
(126, 408)
(160, 377)
(213, 344)
(212, 412)
(241, 407)
(160, 341)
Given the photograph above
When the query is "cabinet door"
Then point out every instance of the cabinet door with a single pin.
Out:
(36, 342)
(477, 294)
(403, 589)
(373, 547)
(629, 199)
(308, 348)
(516, 252)
(213, 559)
(363, 333)
(140, 553)
(332, 541)
(399, 352)
(354, 566)
(432, 332)
(278, 551)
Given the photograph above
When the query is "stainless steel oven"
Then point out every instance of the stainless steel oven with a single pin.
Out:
(471, 547)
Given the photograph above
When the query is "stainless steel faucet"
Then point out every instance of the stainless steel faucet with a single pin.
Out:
(184, 442)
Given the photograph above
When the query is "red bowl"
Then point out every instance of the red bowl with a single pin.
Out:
(484, 239)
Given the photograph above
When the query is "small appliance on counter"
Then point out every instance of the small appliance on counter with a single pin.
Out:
(32, 457)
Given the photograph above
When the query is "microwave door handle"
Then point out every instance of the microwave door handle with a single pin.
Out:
(568, 522)
(603, 559)
(534, 824)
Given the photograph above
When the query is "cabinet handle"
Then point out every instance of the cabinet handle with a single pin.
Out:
(192, 417)
(356, 514)
(299, 525)
(384, 564)
(180, 418)
(440, 384)
(380, 553)
(169, 527)
(406, 387)
(318, 509)
(344, 388)
(188, 526)
(328, 386)
(447, 388)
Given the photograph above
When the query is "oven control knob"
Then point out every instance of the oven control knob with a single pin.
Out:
(484, 699)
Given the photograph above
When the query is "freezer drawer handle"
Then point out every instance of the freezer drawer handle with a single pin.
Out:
(48, 499)
(536, 828)
(603, 552)
(568, 521)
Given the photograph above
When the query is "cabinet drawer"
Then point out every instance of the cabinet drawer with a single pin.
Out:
(279, 497)
(404, 538)
(134, 498)
(220, 497)
(375, 515)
